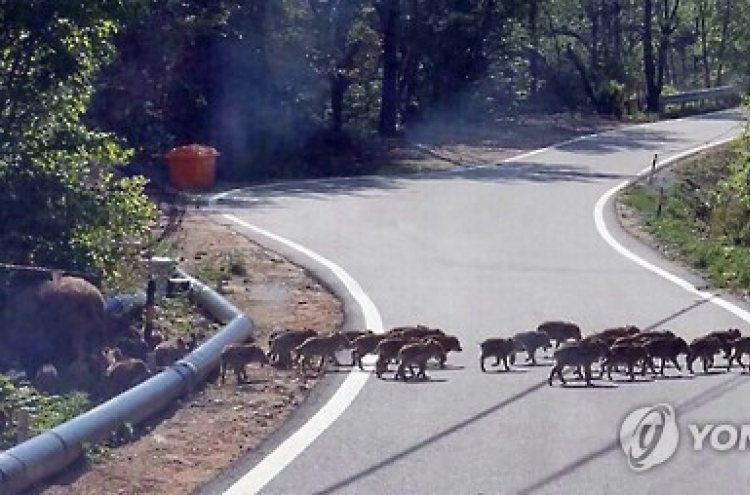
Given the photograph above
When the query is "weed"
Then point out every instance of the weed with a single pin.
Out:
(45, 411)
(703, 232)
(219, 268)
(237, 263)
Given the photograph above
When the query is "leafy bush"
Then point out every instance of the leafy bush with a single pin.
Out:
(730, 199)
(63, 204)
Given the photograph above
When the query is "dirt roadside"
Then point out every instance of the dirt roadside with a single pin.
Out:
(207, 432)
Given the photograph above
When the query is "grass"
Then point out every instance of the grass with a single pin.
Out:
(219, 268)
(682, 216)
(44, 411)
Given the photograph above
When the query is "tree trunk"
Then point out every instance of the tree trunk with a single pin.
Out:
(410, 67)
(390, 13)
(617, 34)
(534, 40)
(703, 34)
(588, 86)
(339, 85)
(667, 26)
(726, 18)
(649, 64)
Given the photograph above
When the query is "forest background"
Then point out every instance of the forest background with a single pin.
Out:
(95, 92)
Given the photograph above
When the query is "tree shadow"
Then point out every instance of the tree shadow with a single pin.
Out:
(627, 381)
(340, 369)
(268, 195)
(673, 377)
(677, 314)
(447, 367)
(539, 364)
(512, 170)
(582, 385)
(503, 371)
(579, 463)
(626, 139)
(434, 438)
(415, 381)
(711, 372)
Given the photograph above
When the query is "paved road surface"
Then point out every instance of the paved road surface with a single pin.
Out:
(488, 252)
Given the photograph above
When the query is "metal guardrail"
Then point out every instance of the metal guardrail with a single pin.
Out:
(718, 94)
(52, 451)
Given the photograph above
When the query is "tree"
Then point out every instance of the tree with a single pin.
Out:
(718, 28)
(63, 204)
(389, 14)
(337, 50)
(599, 46)
(655, 57)
(274, 84)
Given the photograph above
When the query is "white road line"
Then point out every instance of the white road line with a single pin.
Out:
(602, 229)
(255, 479)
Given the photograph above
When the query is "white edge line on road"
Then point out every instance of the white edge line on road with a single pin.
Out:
(271, 465)
(605, 234)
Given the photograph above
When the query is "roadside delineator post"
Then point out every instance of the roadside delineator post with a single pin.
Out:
(653, 168)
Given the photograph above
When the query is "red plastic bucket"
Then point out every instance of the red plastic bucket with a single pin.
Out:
(192, 166)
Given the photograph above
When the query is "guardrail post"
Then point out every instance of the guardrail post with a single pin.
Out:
(23, 418)
(653, 168)
(659, 202)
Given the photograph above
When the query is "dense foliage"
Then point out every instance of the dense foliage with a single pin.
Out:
(281, 87)
(295, 87)
(729, 202)
(62, 204)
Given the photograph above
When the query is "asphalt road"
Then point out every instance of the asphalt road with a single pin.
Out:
(489, 252)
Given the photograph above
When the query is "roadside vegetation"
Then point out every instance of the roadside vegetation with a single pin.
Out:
(699, 212)
(175, 316)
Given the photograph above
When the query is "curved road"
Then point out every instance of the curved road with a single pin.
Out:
(488, 252)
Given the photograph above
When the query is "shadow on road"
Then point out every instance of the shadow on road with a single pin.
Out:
(581, 385)
(628, 139)
(685, 407)
(691, 404)
(374, 186)
(646, 139)
(448, 431)
(677, 314)
(503, 371)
